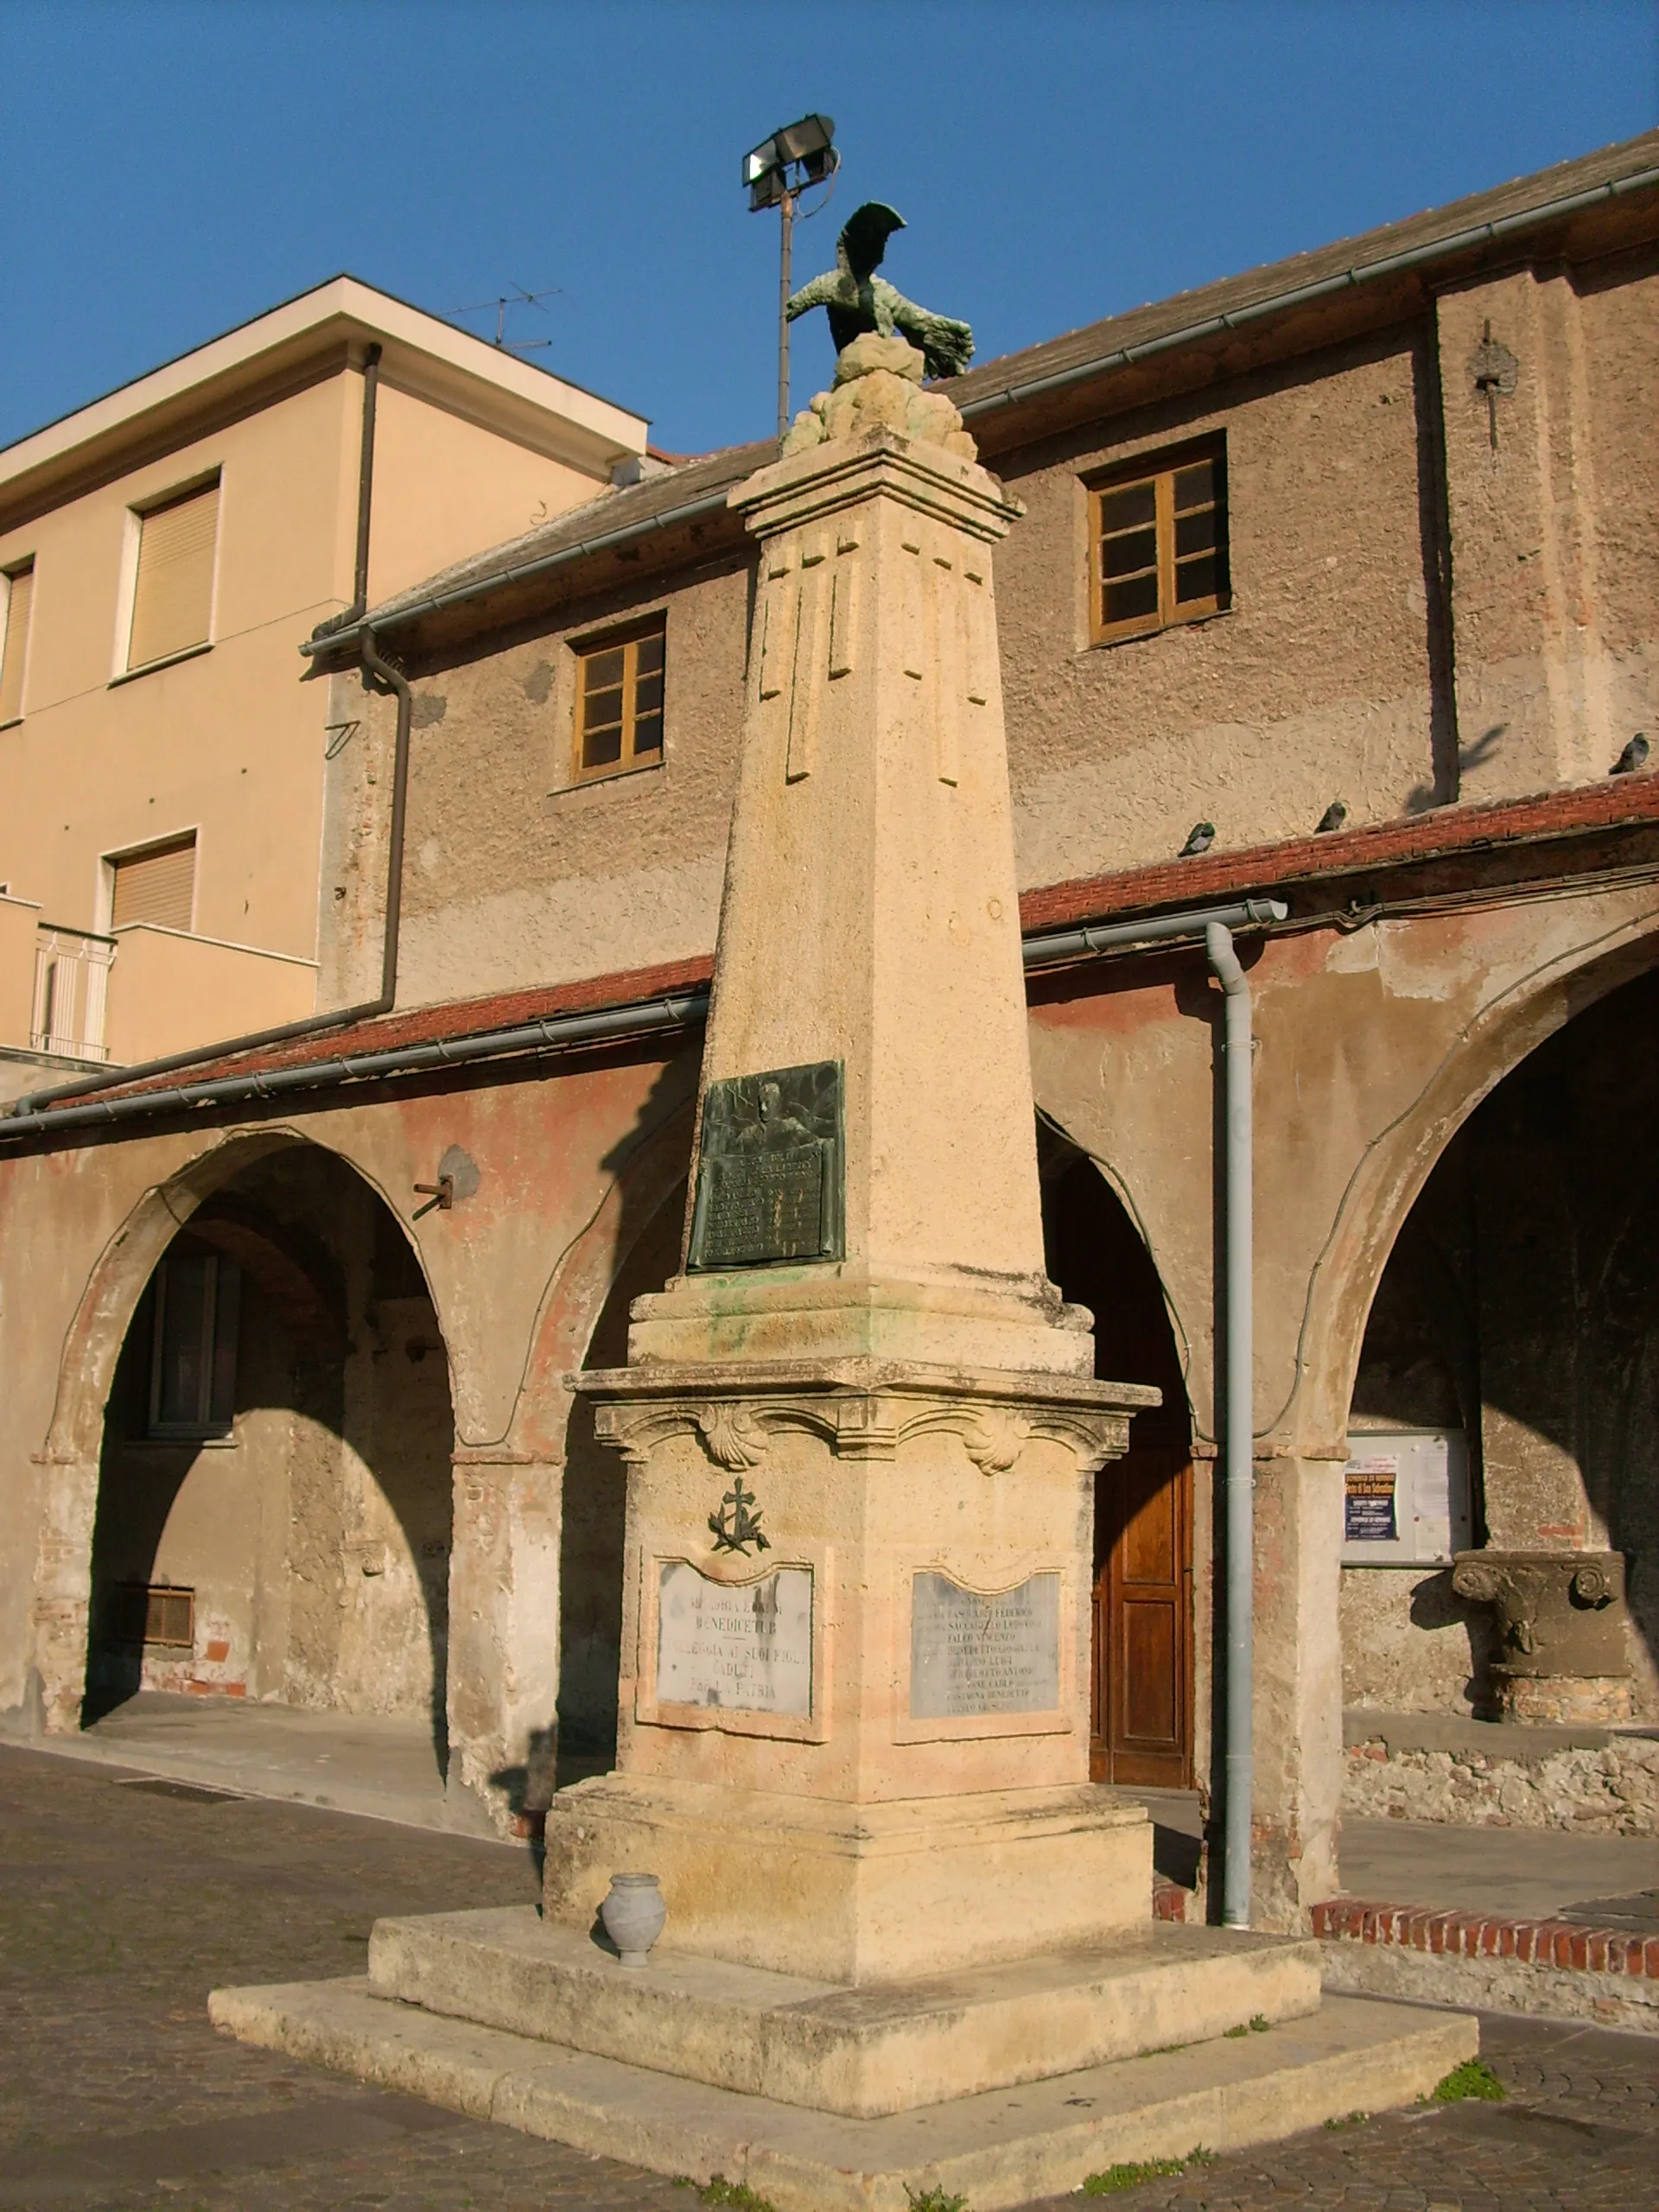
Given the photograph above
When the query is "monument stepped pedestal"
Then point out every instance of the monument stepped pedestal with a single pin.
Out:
(909, 1942)
(1002, 2148)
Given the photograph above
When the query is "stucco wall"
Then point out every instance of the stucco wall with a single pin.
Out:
(1314, 686)
(517, 873)
(1334, 674)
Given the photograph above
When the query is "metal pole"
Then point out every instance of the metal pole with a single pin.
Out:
(1239, 1421)
(786, 209)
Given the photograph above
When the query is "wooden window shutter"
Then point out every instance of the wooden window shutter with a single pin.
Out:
(173, 597)
(159, 885)
(19, 597)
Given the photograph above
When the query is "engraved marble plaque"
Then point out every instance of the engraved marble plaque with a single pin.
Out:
(971, 1655)
(769, 1169)
(747, 1649)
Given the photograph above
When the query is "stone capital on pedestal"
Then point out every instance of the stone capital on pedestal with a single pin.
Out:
(862, 1408)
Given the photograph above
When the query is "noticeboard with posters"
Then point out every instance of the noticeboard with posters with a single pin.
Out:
(1405, 1497)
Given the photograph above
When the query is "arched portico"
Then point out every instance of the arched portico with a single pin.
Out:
(272, 1513)
(1390, 1173)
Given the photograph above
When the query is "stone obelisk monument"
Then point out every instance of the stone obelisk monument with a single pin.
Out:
(861, 1440)
(860, 1427)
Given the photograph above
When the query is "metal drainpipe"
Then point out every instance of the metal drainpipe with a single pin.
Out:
(364, 486)
(1237, 1426)
(377, 674)
(391, 679)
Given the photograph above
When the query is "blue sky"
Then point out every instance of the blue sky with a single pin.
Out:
(172, 168)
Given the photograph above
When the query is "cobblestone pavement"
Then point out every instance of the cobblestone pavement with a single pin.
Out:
(122, 1905)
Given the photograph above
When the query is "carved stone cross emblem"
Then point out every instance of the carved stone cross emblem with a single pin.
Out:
(734, 1528)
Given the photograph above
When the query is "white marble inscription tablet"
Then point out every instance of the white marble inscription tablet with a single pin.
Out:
(971, 1655)
(748, 1649)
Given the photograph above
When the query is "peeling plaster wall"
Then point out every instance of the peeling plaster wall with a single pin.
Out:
(315, 1535)
(353, 1466)
(1555, 556)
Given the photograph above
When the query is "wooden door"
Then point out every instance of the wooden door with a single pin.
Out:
(1143, 1703)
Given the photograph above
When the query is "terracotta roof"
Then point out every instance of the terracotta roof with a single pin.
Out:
(661, 494)
(451, 1021)
(635, 508)
(1625, 802)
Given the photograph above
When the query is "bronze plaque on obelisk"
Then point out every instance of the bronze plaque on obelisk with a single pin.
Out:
(769, 1170)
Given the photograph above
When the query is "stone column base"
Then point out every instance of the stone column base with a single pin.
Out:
(857, 1893)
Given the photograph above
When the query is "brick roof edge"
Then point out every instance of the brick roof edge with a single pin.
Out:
(1448, 830)
(1630, 802)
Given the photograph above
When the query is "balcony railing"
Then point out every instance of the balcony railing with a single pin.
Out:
(72, 975)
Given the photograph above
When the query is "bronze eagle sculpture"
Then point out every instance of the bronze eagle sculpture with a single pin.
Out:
(859, 301)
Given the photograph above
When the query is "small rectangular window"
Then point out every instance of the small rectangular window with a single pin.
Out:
(192, 1349)
(172, 593)
(153, 1612)
(158, 885)
(13, 648)
(1158, 547)
(619, 703)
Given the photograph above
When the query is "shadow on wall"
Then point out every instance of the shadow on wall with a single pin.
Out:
(1142, 1703)
(274, 1497)
(592, 1530)
(1521, 1304)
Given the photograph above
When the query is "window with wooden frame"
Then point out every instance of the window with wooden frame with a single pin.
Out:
(173, 588)
(193, 1345)
(1157, 545)
(620, 703)
(158, 885)
(19, 584)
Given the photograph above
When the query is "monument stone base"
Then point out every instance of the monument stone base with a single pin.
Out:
(862, 2052)
(998, 2149)
(857, 1893)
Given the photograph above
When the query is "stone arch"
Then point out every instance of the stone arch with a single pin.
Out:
(644, 1178)
(1144, 1704)
(582, 1321)
(1389, 1176)
(294, 1281)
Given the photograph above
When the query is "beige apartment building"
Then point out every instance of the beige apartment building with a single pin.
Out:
(163, 552)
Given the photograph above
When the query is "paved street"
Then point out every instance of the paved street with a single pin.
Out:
(122, 1903)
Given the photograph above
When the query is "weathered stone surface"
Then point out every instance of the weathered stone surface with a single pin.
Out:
(895, 355)
(996, 2150)
(857, 1894)
(860, 2052)
(1612, 1789)
(877, 384)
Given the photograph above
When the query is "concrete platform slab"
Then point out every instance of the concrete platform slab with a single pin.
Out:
(1003, 2148)
(862, 2051)
(384, 1766)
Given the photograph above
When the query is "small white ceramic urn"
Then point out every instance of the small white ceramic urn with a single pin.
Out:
(633, 1913)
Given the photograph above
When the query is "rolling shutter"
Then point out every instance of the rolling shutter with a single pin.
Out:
(18, 599)
(159, 885)
(174, 595)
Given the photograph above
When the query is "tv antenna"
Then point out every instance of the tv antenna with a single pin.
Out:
(517, 297)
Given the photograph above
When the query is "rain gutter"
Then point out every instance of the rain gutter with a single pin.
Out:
(709, 502)
(1347, 280)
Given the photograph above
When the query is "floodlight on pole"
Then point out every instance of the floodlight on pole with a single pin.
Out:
(775, 174)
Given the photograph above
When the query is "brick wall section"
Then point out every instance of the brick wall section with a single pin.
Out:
(1569, 1945)
(1168, 1900)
